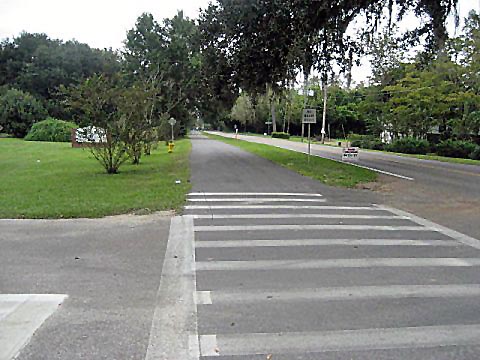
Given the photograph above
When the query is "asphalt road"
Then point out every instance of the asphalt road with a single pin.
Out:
(110, 270)
(447, 193)
(287, 268)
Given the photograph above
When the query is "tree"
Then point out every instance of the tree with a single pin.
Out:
(19, 111)
(96, 99)
(37, 64)
(243, 111)
(164, 59)
(262, 44)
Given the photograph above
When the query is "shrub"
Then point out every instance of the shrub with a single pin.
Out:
(368, 143)
(19, 111)
(475, 155)
(358, 137)
(409, 145)
(51, 130)
(455, 148)
(280, 135)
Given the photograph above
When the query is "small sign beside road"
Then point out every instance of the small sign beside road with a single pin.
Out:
(350, 154)
(309, 116)
(172, 121)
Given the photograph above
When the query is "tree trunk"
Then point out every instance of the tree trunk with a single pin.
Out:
(324, 115)
(274, 118)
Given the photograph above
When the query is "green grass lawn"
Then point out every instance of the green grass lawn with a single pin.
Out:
(324, 170)
(438, 158)
(53, 180)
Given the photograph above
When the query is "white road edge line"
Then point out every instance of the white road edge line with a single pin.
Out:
(300, 264)
(175, 316)
(339, 161)
(339, 293)
(321, 242)
(251, 194)
(464, 239)
(340, 340)
(308, 227)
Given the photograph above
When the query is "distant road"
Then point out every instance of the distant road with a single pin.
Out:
(445, 192)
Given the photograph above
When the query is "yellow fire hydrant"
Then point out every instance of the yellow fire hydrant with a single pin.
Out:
(171, 145)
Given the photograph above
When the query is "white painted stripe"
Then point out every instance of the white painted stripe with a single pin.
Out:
(209, 346)
(254, 200)
(18, 326)
(360, 166)
(308, 227)
(175, 316)
(381, 171)
(340, 293)
(300, 264)
(296, 207)
(342, 340)
(203, 298)
(322, 242)
(250, 194)
(303, 216)
(464, 239)
(339, 161)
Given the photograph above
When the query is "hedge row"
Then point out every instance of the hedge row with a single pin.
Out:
(280, 135)
(409, 145)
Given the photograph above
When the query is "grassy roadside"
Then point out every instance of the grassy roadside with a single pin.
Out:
(53, 180)
(324, 170)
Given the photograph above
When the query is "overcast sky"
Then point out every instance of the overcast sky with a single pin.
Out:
(104, 23)
(99, 23)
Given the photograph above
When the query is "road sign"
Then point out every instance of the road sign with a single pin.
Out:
(172, 121)
(350, 154)
(309, 116)
(268, 123)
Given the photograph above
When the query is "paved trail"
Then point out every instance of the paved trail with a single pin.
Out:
(443, 192)
(285, 268)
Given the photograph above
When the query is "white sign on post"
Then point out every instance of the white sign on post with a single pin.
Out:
(309, 116)
(350, 154)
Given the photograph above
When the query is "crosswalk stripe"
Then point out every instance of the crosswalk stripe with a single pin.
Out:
(20, 322)
(464, 239)
(299, 264)
(302, 216)
(322, 242)
(307, 227)
(251, 194)
(296, 207)
(338, 293)
(339, 340)
(253, 200)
